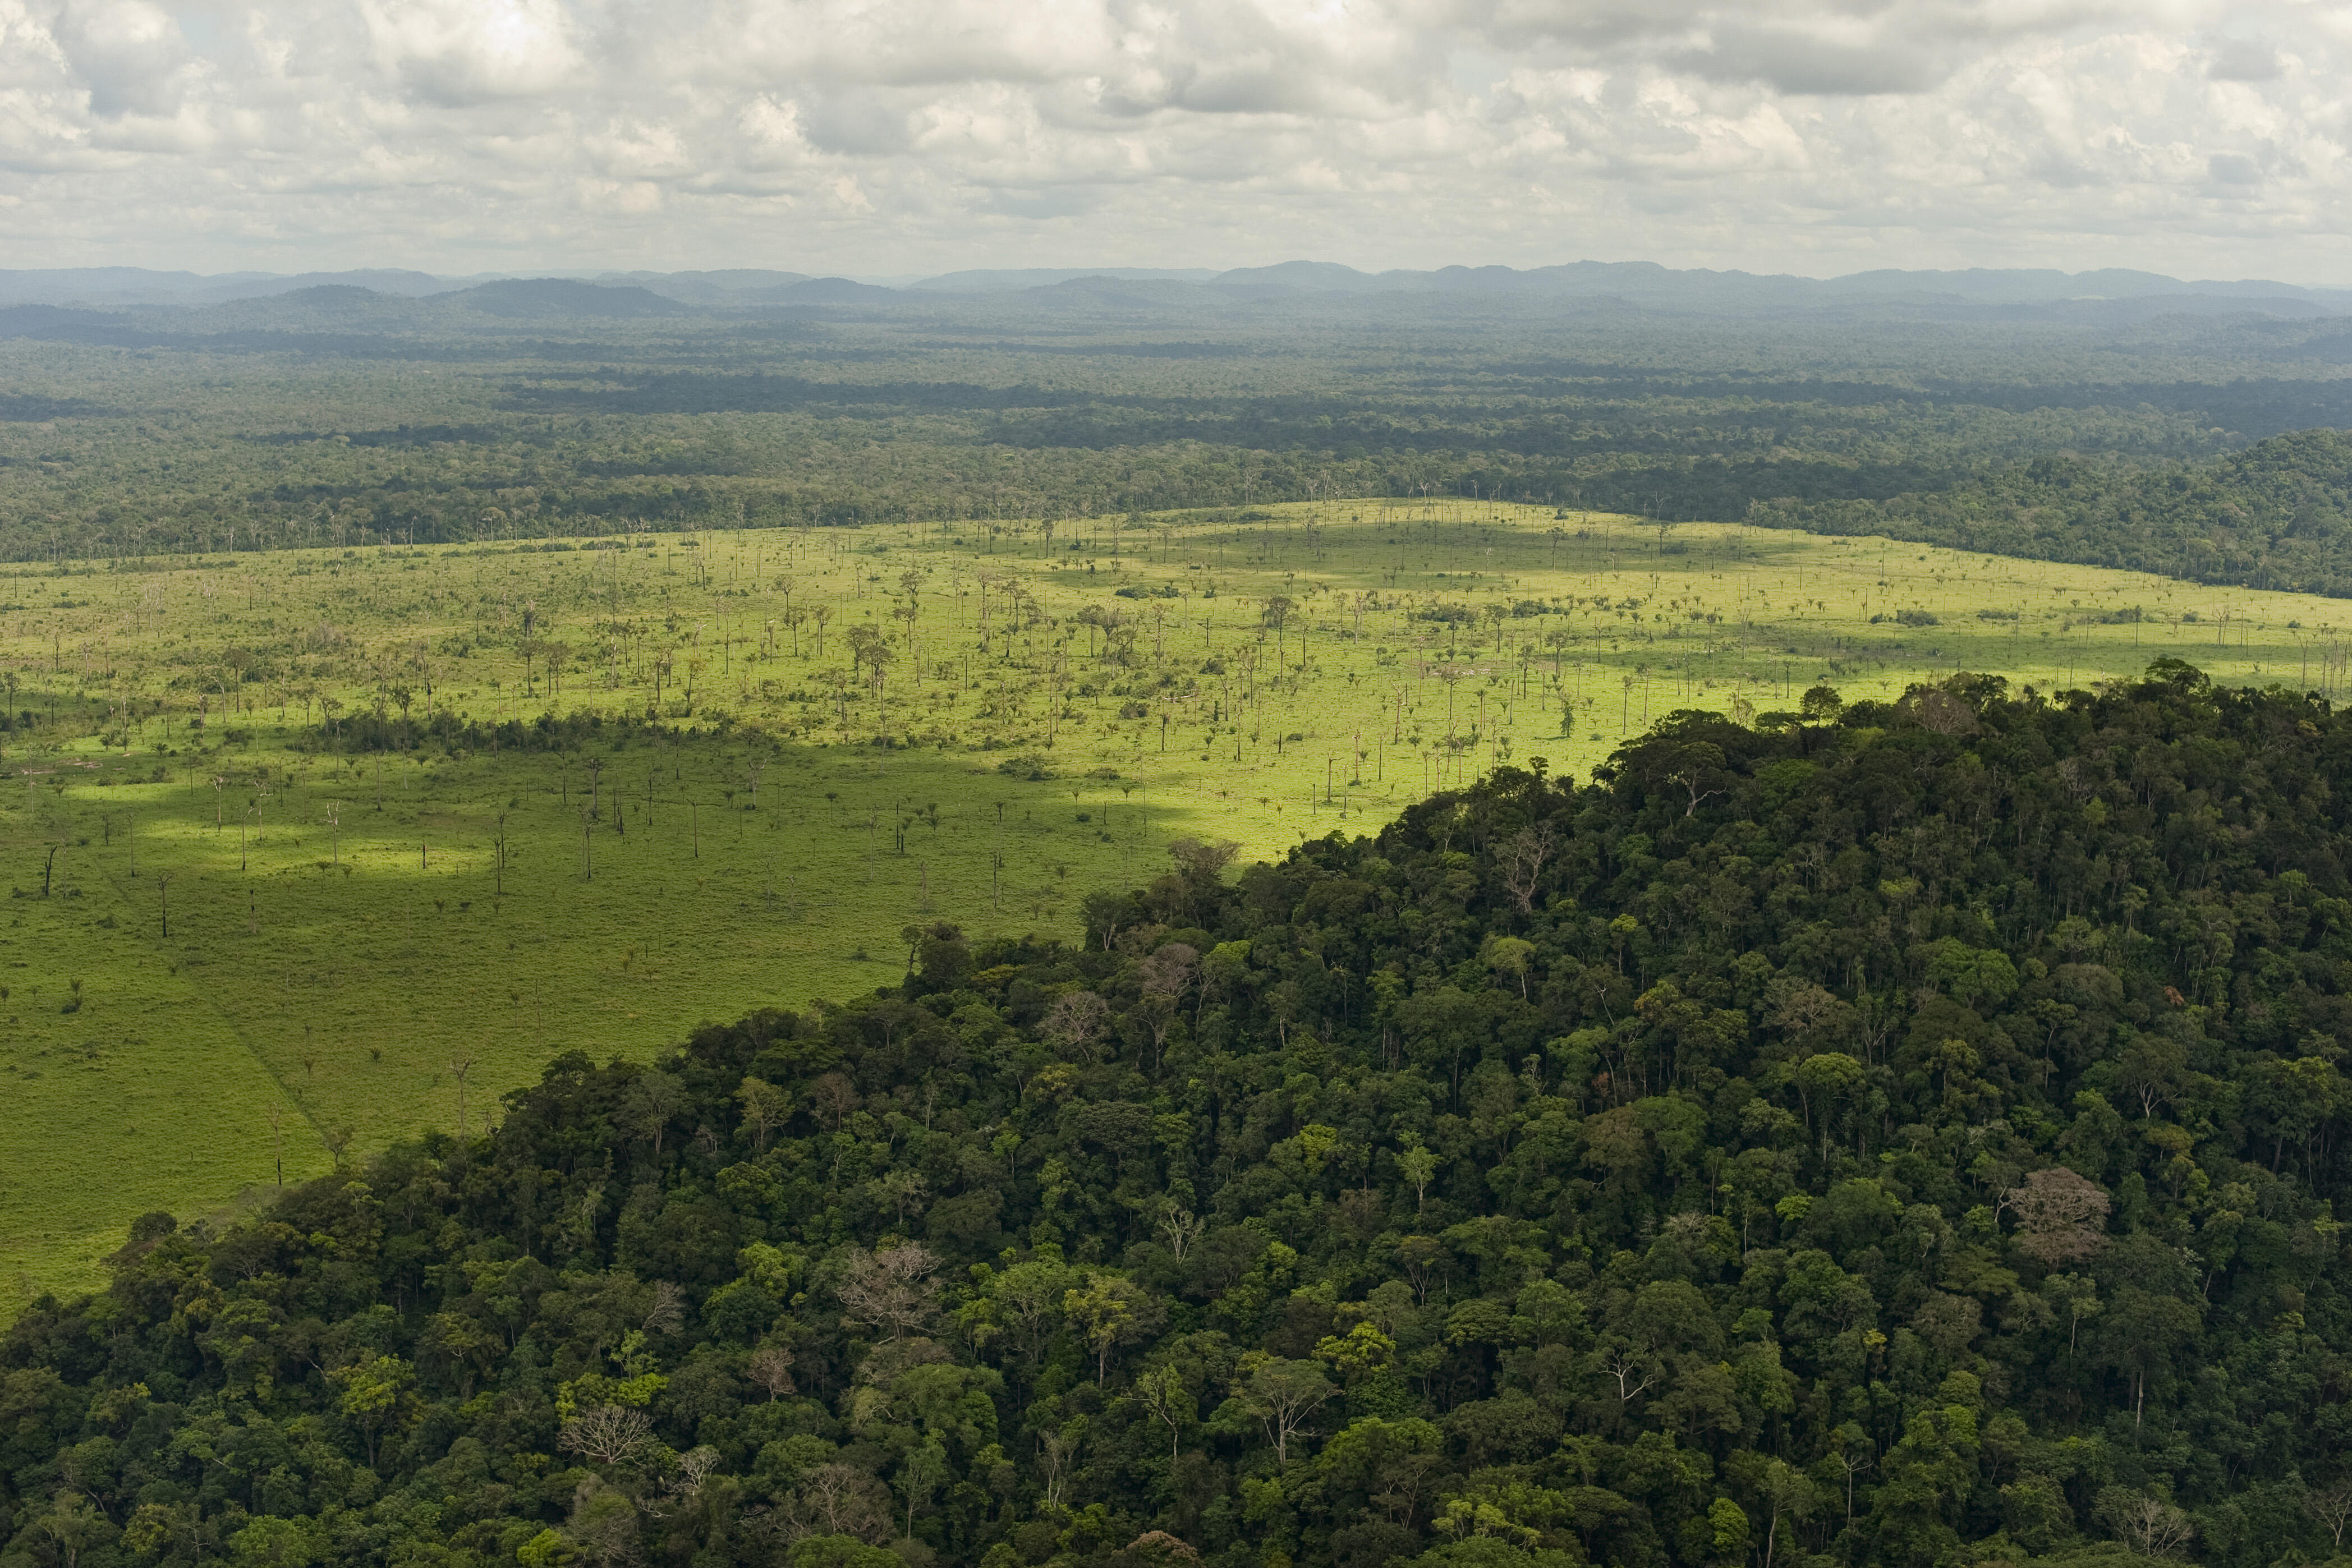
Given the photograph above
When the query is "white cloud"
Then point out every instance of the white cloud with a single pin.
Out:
(129, 53)
(461, 52)
(1810, 135)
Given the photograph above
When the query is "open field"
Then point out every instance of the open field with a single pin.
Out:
(245, 928)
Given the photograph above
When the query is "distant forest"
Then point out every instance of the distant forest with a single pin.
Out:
(2206, 446)
(1891, 1134)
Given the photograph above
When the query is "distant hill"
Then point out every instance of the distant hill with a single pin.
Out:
(992, 280)
(540, 299)
(2102, 296)
(399, 282)
(2105, 296)
(1327, 277)
(320, 306)
(836, 291)
(728, 286)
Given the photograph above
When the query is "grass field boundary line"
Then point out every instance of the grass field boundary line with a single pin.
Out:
(214, 1008)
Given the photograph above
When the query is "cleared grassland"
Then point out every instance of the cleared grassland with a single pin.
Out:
(285, 946)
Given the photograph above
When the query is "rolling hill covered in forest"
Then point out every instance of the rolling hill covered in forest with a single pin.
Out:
(1891, 1133)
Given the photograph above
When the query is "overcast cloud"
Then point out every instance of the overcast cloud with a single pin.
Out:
(890, 136)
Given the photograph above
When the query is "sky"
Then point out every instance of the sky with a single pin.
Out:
(901, 136)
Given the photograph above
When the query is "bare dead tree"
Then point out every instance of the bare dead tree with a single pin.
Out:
(668, 1313)
(1076, 1022)
(608, 1434)
(1624, 1367)
(2149, 1526)
(837, 1499)
(1181, 1228)
(1522, 857)
(771, 1368)
(890, 1290)
(459, 1067)
(2332, 1505)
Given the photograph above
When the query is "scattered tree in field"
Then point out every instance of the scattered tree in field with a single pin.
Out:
(459, 1067)
(1274, 617)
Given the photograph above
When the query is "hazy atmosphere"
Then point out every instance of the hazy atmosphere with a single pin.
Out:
(1121, 784)
(894, 136)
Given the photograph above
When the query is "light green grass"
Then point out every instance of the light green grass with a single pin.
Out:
(342, 978)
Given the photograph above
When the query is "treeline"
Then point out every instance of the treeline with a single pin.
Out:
(2277, 514)
(384, 731)
(1898, 1134)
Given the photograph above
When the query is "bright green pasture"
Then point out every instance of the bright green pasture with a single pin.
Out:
(346, 960)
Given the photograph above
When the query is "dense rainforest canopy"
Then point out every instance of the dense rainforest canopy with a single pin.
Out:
(2276, 514)
(1886, 1134)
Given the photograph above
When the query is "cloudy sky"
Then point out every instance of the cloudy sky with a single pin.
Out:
(891, 136)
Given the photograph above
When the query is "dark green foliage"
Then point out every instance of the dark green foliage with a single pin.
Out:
(1907, 1135)
(2276, 514)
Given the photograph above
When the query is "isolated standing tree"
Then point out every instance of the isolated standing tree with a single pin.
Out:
(1274, 618)
(459, 1067)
